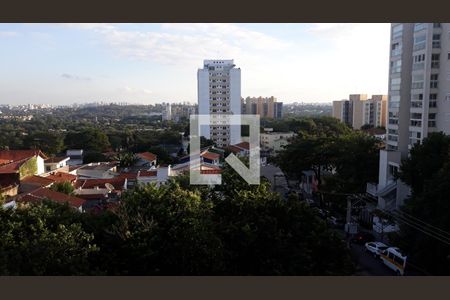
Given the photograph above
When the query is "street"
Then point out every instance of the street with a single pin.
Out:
(367, 264)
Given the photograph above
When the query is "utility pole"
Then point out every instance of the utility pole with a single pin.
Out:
(348, 219)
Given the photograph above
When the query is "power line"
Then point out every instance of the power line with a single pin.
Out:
(425, 223)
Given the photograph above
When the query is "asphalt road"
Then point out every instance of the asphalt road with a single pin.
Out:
(367, 264)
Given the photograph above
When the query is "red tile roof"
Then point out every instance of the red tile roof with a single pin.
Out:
(210, 171)
(15, 155)
(234, 149)
(12, 167)
(43, 193)
(147, 156)
(210, 155)
(147, 173)
(117, 182)
(62, 177)
(128, 175)
(243, 145)
(37, 180)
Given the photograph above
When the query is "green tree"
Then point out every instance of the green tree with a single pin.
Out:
(36, 242)
(126, 159)
(90, 139)
(47, 142)
(427, 172)
(63, 187)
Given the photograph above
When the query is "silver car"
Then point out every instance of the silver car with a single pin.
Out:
(375, 248)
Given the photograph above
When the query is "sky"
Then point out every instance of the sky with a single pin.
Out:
(152, 63)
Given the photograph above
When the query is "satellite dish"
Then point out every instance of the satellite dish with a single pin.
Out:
(109, 186)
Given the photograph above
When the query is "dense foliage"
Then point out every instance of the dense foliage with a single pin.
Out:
(176, 229)
(325, 145)
(427, 172)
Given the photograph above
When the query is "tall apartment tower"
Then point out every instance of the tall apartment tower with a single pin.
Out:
(341, 111)
(419, 98)
(167, 112)
(265, 107)
(219, 92)
(357, 108)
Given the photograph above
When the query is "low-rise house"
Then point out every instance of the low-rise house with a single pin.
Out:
(100, 191)
(58, 177)
(146, 159)
(53, 164)
(41, 194)
(275, 141)
(210, 158)
(241, 149)
(100, 170)
(34, 182)
(76, 157)
(25, 162)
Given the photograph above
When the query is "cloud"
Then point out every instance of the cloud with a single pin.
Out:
(185, 43)
(6, 34)
(75, 77)
(135, 91)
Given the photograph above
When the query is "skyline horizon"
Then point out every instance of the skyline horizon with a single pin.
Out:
(149, 63)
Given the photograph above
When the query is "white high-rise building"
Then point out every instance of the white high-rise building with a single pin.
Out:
(418, 102)
(167, 112)
(219, 92)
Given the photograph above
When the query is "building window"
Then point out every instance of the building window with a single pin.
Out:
(435, 61)
(434, 81)
(419, 26)
(436, 25)
(417, 97)
(436, 41)
(416, 123)
(419, 42)
(432, 104)
(432, 116)
(417, 116)
(432, 124)
(396, 49)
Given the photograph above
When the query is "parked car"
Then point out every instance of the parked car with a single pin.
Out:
(375, 248)
(362, 237)
(336, 222)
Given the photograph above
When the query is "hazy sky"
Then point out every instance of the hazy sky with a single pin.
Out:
(148, 63)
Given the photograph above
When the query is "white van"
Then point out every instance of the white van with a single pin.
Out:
(394, 259)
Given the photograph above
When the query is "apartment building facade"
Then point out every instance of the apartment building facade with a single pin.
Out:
(360, 111)
(219, 93)
(419, 99)
(265, 107)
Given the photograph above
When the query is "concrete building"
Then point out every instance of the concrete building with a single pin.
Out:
(264, 107)
(419, 99)
(360, 111)
(357, 107)
(219, 92)
(341, 111)
(167, 112)
(275, 141)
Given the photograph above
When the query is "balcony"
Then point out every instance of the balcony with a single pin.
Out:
(372, 189)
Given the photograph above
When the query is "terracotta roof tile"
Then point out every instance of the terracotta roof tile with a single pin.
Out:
(147, 156)
(37, 180)
(15, 155)
(210, 155)
(43, 193)
(117, 182)
(62, 177)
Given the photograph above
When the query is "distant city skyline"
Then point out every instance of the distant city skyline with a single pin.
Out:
(61, 64)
